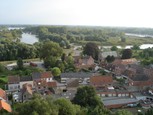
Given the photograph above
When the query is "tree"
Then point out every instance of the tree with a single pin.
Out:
(20, 63)
(114, 48)
(135, 47)
(63, 57)
(56, 71)
(149, 112)
(110, 58)
(2, 68)
(65, 107)
(123, 112)
(37, 106)
(126, 54)
(50, 52)
(91, 49)
(50, 48)
(86, 97)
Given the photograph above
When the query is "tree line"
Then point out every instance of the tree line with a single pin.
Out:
(70, 34)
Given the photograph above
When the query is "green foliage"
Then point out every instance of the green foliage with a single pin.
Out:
(20, 63)
(56, 71)
(50, 52)
(65, 107)
(2, 68)
(48, 106)
(36, 106)
(114, 48)
(149, 112)
(110, 59)
(86, 97)
(91, 49)
(136, 47)
(12, 50)
(126, 54)
(123, 112)
(11, 35)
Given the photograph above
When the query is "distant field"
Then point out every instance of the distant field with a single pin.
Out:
(13, 61)
(130, 40)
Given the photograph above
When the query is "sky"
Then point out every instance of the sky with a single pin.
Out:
(122, 13)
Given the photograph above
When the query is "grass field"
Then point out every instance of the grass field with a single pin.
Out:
(130, 40)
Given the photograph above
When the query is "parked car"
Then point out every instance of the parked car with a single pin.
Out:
(33, 64)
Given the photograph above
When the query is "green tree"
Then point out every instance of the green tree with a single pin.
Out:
(20, 63)
(65, 107)
(91, 49)
(126, 54)
(123, 112)
(56, 71)
(37, 106)
(149, 112)
(135, 47)
(50, 52)
(2, 68)
(63, 57)
(114, 48)
(110, 59)
(86, 97)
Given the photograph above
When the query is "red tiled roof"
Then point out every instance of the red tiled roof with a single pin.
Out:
(101, 80)
(52, 84)
(47, 74)
(142, 83)
(128, 61)
(124, 61)
(2, 94)
(5, 106)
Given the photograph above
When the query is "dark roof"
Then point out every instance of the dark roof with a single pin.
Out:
(140, 77)
(36, 75)
(73, 83)
(13, 79)
(76, 75)
(26, 78)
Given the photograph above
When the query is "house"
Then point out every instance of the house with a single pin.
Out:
(85, 62)
(13, 83)
(117, 102)
(26, 92)
(81, 76)
(3, 94)
(4, 105)
(99, 81)
(129, 61)
(26, 80)
(72, 84)
(43, 81)
(47, 76)
(103, 55)
(140, 80)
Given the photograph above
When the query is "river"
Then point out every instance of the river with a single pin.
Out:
(26, 38)
(143, 46)
(29, 38)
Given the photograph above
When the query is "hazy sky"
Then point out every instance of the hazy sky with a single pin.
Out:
(135, 13)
